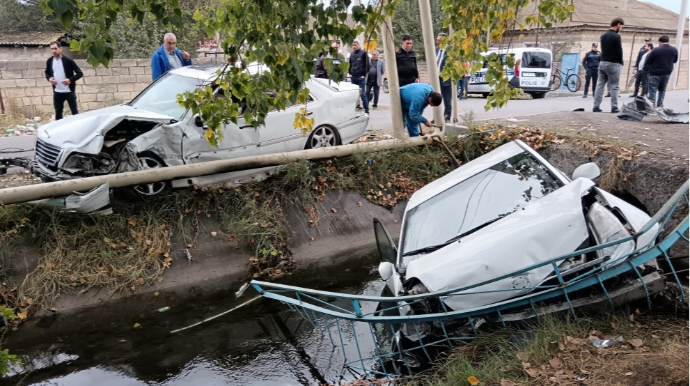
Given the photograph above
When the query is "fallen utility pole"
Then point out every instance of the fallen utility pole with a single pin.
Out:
(19, 194)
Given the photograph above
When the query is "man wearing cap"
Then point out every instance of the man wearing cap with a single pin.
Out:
(610, 65)
(591, 65)
(447, 85)
(637, 67)
(359, 66)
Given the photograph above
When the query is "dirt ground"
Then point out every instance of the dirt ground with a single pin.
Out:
(653, 134)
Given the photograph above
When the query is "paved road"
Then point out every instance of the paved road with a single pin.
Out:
(380, 118)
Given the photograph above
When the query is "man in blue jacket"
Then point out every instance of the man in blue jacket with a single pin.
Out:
(168, 57)
(414, 98)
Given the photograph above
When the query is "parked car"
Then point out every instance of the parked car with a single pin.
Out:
(531, 72)
(154, 131)
(500, 213)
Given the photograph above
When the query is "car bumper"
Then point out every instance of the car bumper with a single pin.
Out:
(353, 128)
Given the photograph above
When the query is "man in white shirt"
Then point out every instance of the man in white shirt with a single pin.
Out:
(641, 74)
(62, 72)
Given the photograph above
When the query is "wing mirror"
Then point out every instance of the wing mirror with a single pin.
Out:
(588, 170)
(198, 122)
(385, 270)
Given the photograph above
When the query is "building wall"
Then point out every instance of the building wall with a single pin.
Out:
(25, 87)
(581, 41)
(29, 53)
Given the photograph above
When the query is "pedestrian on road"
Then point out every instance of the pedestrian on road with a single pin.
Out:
(320, 71)
(406, 61)
(638, 68)
(641, 74)
(610, 65)
(168, 57)
(359, 67)
(414, 98)
(591, 65)
(377, 68)
(462, 83)
(63, 73)
(446, 85)
(659, 66)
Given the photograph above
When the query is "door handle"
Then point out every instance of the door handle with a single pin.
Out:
(310, 113)
(245, 126)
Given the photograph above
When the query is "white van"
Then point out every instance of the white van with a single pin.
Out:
(531, 72)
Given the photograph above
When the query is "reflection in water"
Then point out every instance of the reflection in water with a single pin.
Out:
(262, 344)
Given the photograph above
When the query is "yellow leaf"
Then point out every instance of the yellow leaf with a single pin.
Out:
(137, 325)
(23, 314)
(132, 223)
(156, 293)
(473, 380)
(208, 134)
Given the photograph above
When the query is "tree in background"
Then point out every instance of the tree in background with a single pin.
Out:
(407, 22)
(17, 16)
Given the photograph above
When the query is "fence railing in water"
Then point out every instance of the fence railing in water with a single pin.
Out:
(389, 335)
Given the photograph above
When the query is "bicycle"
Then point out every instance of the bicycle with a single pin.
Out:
(572, 81)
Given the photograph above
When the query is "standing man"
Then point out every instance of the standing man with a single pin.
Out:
(376, 70)
(406, 61)
(63, 73)
(641, 73)
(637, 67)
(462, 83)
(610, 65)
(659, 66)
(414, 98)
(591, 65)
(359, 66)
(168, 57)
(446, 86)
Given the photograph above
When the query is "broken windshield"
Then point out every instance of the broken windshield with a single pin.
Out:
(485, 197)
(161, 96)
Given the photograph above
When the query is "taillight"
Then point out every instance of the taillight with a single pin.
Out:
(517, 67)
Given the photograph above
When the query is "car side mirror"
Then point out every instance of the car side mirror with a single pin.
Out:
(588, 170)
(387, 251)
(386, 270)
(198, 122)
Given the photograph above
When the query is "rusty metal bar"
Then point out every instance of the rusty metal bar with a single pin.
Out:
(632, 49)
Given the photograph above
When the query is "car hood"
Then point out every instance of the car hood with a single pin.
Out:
(84, 132)
(553, 226)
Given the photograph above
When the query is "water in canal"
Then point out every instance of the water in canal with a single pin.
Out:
(260, 344)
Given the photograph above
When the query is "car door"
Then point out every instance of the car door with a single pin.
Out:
(280, 135)
(239, 140)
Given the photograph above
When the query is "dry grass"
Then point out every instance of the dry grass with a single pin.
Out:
(15, 115)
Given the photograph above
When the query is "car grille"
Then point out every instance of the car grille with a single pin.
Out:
(46, 153)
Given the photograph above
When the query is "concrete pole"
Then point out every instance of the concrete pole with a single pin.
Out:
(430, 48)
(679, 42)
(399, 131)
(27, 193)
(454, 88)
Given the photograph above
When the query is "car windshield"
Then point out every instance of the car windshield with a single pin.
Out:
(536, 60)
(161, 96)
(487, 196)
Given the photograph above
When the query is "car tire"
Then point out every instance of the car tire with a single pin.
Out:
(323, 136)
(537, 95)
(149, 160)
(485, 95)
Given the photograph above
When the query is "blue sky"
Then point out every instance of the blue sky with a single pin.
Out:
(672, 5)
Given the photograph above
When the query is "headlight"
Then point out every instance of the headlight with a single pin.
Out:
(607, 228)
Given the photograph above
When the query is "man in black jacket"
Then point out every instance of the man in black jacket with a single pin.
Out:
(359, 67)
(406, 61)
(659, 66)
(591, 65)
(637, 68)
(610, 65)
(63, 73)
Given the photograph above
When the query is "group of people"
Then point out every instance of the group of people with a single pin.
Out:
(653, 68)
(62, 72)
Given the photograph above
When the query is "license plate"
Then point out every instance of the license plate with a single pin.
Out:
(477, 79)
(528, 74)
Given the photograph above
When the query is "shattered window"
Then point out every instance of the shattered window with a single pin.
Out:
(161, 96)
(491, 194)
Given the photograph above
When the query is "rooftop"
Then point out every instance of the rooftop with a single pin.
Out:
(36, 38)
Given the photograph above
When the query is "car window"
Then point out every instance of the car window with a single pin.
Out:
(531, 59)
(494, 193)
(161, 96)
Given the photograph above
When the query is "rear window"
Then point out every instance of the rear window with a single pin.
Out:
(536, 60)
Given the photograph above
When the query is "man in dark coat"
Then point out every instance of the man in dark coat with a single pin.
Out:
(359, 67)
(62, 72)
(659, 66)
(610, 65)
(447, 85)
(406, 61)
(591, 65)
(637, 67)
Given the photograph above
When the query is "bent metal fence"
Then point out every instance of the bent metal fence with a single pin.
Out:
(383, 336)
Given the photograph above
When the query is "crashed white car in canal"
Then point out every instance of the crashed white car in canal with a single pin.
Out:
(498, 214)
(154, 131)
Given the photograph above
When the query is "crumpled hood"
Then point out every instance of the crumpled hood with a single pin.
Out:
(548, 228)
(84, 132)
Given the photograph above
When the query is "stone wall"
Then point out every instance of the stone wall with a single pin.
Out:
(25, 88)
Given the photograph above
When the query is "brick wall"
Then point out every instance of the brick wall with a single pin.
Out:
(25, 88)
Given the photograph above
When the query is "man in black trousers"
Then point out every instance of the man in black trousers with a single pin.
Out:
(638, 68)
(591, 65)
(447, 85)
(63, 73)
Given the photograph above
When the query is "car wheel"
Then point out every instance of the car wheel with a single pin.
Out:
(148, 160)
(323, 136)
(485, 95)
